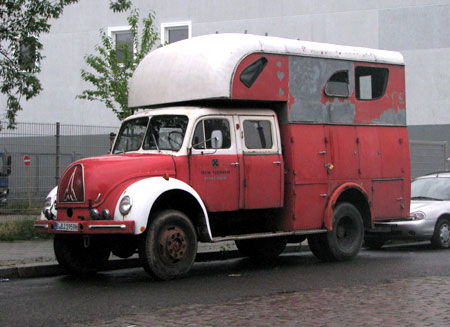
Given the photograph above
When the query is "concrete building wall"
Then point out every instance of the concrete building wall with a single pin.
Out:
(416, 28)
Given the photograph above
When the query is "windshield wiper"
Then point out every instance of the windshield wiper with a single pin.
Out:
(153, 136)
(425, 198)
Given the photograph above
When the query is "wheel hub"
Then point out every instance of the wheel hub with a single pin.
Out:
(175, 243)
(445, 234)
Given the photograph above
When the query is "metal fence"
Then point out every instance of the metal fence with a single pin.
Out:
(428, 157)
(50, 147)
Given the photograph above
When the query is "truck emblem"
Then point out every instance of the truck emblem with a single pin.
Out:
(69, 194)
(215, 163)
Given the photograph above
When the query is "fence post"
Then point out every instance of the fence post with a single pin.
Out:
(57, 153)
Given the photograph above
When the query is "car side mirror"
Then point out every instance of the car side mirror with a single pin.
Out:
(216, 139)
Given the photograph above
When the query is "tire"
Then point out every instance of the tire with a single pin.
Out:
(270, 247)
(441, 236)
(169, 246)
(344, 241)
(373, 244)
(77, 259)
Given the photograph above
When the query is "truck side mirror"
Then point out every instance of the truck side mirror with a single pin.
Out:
(8, 165)
(216, 139)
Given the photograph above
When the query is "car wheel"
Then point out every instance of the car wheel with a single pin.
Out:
(344, 241)
(79, 257)
(441, 237)
(269, 247)
(169, 247)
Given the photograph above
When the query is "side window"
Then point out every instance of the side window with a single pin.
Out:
(337, 85)
(212, 133)
(371, 82)
(258, 134)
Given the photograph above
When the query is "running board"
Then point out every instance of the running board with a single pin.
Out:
(269, 234)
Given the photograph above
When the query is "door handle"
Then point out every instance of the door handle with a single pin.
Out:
(277, 162)
(235, 164)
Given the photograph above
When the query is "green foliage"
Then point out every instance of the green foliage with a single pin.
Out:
(21, 24)
(108, 74)
(19, 230)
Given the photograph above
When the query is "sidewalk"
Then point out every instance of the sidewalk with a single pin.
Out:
(26, 259)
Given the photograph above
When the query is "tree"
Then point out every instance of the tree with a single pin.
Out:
(22, 22)
(113, 66)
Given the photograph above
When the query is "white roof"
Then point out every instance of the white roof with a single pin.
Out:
(202, 67)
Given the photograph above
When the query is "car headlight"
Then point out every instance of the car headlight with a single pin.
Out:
(418, 215)
(47, 208)
(125, 205)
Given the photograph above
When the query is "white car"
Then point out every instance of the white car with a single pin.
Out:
(430, 214)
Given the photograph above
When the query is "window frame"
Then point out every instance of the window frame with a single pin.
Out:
(113, 31)
(166, 27)
(358, 81)
(230, 150)
(275, 147)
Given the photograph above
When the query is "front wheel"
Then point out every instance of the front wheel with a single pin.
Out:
(80, 256)
(169, 247)
(441, 237)
(344, 241)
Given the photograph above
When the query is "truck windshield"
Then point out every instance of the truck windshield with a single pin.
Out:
(157, 133)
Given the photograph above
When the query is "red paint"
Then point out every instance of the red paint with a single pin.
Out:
(271, 85)
(26, 160)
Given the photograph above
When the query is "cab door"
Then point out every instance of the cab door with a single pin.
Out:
(214, 164)
(263, 163)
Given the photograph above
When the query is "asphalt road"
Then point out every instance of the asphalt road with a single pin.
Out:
(116, 298)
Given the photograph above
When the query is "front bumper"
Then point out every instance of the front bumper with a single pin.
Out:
(86, 227)
(420, 230)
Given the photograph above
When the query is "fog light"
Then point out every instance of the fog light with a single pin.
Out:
(106, 214)
(94, 214)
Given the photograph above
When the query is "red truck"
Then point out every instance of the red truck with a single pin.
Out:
(260, 140)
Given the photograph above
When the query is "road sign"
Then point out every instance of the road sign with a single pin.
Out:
(26, 160)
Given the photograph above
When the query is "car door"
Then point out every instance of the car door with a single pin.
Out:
(214, 165)
(263, 163)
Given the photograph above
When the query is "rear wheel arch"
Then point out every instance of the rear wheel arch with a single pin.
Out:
(350, 193)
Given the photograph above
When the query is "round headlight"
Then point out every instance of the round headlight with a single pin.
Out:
(125, 205)
(47, 203)
(418, 215)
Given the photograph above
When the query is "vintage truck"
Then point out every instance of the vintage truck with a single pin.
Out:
(260, 140)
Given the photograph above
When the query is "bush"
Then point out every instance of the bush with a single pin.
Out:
(20, 230)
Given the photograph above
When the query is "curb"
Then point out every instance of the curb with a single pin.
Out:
(52, 270)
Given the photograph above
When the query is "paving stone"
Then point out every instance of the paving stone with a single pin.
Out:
(411, 302)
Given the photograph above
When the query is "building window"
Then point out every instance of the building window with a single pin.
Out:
(27, 56)
(371, 82)
(122, 39)
(173, 32)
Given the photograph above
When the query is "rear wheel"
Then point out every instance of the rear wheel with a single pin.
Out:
(441, 237)
(269, 247)
(81, 256)
(344, 241)
(169, 247)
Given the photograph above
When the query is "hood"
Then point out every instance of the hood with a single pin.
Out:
(95, 178)
(429, 206)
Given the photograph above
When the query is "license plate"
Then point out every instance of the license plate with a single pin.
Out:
(66, 227)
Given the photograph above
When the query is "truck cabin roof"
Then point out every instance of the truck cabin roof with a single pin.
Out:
(225, 66)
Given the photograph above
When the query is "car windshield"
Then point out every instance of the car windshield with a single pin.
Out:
(437, 188)
(165, 132)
